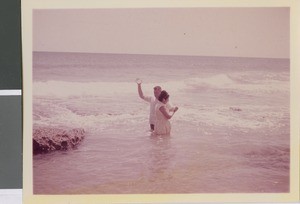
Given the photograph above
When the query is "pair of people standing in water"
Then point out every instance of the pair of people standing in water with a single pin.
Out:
(160, 109)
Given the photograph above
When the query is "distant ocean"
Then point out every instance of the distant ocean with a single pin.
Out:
(230, 135)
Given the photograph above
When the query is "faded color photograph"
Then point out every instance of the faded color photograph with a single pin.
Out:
(161, 101)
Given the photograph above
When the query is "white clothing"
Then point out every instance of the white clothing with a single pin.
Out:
(162, 124)
(153, 101)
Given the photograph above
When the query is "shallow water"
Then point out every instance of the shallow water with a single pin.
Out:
(231, 133)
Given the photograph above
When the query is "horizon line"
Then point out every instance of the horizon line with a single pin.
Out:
(182, 55)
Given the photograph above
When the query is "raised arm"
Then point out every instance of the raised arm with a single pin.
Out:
(140, 91)
(165, 113)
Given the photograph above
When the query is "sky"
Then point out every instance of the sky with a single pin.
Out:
(234, 32)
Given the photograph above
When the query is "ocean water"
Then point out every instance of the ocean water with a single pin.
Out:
(231, 133)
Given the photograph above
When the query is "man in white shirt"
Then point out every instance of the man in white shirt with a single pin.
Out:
(152, 100)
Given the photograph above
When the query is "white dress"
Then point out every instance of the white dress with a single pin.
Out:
(162, 124)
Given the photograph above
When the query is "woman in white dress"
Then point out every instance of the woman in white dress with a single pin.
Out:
(163, 115)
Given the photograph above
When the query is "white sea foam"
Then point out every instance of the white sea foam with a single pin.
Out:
(66, 89)
(249, 116)
(220, 81)
(59, 115)
(115, 97)
(90, 116)
(238, 83)
(235, 82)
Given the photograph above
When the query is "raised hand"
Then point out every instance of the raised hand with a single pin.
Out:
(138, 81)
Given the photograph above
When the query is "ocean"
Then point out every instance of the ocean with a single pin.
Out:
(231, 133)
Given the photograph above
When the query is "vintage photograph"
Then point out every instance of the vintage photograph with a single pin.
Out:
(161, 100)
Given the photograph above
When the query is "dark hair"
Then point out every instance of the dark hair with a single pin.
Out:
(163, 95)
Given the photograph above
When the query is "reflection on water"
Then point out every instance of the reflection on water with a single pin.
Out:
(160, 156)
(146, 163)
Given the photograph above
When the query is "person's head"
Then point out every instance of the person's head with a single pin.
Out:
(163, 97)
(156, 91)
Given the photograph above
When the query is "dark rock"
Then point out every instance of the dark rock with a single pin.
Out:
(47, 139)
